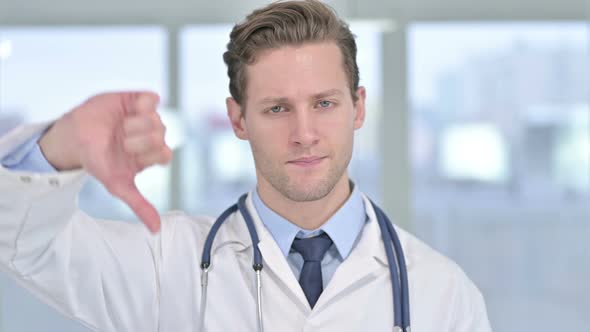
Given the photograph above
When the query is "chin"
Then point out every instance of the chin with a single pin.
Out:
(305, 196)
(307, 191)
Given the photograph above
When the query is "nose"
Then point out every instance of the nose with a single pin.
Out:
(303, 128)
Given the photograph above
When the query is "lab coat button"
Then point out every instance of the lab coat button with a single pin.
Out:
(53, 182)
(25, 179)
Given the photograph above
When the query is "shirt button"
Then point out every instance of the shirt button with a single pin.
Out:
(25, 179)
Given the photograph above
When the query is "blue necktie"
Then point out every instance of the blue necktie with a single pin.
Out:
(313, 250)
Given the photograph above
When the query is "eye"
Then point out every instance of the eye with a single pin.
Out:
(325, 104)
(276, 109)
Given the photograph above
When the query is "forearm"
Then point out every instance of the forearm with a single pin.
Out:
(99, 272)
(78, 265)
(58, 145)
(33, 206)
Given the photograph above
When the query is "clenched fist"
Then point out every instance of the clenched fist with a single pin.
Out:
(113, 136)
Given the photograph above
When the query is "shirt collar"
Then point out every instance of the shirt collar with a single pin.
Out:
(343, 227)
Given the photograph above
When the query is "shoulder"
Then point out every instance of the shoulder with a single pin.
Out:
(423, 257)
(445, 283)
(430, 264)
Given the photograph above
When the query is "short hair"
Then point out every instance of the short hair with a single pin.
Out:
(287, 23)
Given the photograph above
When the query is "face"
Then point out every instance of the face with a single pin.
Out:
(299, 120)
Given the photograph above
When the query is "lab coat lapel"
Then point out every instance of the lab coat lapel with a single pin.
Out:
(365, 262)
(274, 261)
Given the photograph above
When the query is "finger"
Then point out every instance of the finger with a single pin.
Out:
(162, 157)
(144, 144)
(137, 124)
(143, 209)
(145, 102)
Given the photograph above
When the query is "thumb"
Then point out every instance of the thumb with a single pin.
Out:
(143, 209)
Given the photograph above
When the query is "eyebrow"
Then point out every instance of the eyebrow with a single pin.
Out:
(284, 100)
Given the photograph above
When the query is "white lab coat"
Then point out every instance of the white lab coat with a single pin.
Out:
(115, 276)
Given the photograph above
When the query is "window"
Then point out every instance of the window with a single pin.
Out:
(501, 159)
(44, 72)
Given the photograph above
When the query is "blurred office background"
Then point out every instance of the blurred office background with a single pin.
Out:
(477, 136)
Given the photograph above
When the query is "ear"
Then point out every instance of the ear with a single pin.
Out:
(359, 108)
(234, 113)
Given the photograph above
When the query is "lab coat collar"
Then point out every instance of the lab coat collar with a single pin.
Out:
(343, 227)
(364, 264)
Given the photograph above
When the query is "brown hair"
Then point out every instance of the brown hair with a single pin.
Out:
(287, 23)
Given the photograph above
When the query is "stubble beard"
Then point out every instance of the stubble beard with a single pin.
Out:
(275, 174)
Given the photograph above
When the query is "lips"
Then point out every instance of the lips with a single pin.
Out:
(307, 161)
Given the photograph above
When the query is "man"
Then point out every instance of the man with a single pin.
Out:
(295, 98)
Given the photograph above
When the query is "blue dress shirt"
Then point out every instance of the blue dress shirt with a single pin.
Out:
(28, 157)
(344, 227)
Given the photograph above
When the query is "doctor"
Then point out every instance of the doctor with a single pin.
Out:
(295, 98)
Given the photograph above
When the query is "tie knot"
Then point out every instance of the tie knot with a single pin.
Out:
(313, 248)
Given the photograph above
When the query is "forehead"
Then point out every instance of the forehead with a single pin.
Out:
(296, 72)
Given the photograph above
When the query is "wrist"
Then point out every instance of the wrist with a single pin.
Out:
(57, 147)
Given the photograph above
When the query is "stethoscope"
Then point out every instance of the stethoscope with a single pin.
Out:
(393, 250)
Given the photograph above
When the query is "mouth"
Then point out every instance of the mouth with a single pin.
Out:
(307, 161)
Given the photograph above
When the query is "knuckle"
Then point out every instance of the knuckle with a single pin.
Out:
(135, 145)
(156, 140)
(155, 119)
(168, 155)
(165, 156)
(141, 163)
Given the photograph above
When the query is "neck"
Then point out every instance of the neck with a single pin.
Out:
(307, 215)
